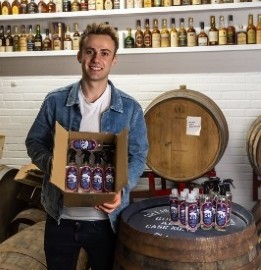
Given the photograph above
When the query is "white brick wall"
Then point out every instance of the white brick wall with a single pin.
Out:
(237, 94)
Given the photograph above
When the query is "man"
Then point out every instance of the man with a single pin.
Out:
(92, 104)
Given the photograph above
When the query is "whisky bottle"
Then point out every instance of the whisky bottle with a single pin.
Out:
(222, 32)
(47, 42)
(6, 8)
(32, 7)
(83, 5)
(148, 3)
(67, 6)
(167, 3)
(164, 35)
(42, 7)
(24, 7)
(76, 37)
(30, 39)
(138, 35)
(147, 35)
(16, 7)
(9, 42)
(38, 39)
(213, 32)
(129, 3)
(176, 2)
(67, 43)
(108, 4)
(191, 34)
(173, 34)
(231, 31)
(75, 6)
(138, 3)
(51, 7)
(258, 29)
(196, 2)
(155, 35)
(157, 3)
(91, 4)
(186, 2)
(117, 5)
(241, 36)
(23, 39)
(251, 30)
(129, 40)
(182, 34)
(57, 38)
(202, 38)
(16, 41)
(2, 39)
(99, 4)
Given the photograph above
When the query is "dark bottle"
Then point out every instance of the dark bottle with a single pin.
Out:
(30, 39)
(38, 41)
(129, 40)
(231, 31)
(109, 173)
(173, 200)
(9, 41)
(85, 173)
(51, 7)
(2, 39)
(24, 6)
(202, 38)
(98, 174)
(47, 42)
(32, 7)
(147, 35)
(71, 180)
(42, 7)
(90, 145)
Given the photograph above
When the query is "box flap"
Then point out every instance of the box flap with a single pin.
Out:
(2, 142)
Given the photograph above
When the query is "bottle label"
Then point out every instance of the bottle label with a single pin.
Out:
(147, 40)
(67, 45)
(5, 10)
(207, 214)
(176, 2)
(97, 179)
(251, 36)
(23, 45)
(165, 40)
(85, 181)
(174, 39)
(213, 36)
(15, 10)
(116, 4)
(138, 3)
(191, 36)
(182, 40)
(71, 178)
(221, 214)
(222, 38)
(147, 3)
(156, 40)
(91, 5)
(241, 38)
(129, 4)
(76, 43)
(182, 212)
(258, 36)
(99, 5)
(30, 45)
(192, 215)
(174, 209)
(167, 3)
(108, 5)
(202, 41)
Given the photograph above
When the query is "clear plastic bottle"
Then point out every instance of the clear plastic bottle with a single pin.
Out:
(173, 199)
(206, 212)
(109, 173)
(182, 210)
(85, 173)
(71, 180)
(191, 213)
(221, 211)
(98, 174)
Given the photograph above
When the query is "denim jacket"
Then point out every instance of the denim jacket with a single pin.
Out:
(62, 105)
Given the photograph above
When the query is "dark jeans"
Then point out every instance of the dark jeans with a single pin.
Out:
(63, 242)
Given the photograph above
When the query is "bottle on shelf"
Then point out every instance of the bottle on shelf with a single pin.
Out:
(148, 3)
(213, 32)
(258, 29)
(176, 2)
(2, 39)
(182, 34)
(47, 42)
(76, 37)
(222, 32)
(99, 5)
(155, 35)
(67, 6)
(23, 39)
(191, 34)
(167, 3)
(16, 46)
(157, 3)
(42, 7)
(6, 8)
(16, 7)
(83, 5)
(196, 2)
(231, 31)
(38, 40)
(91, 4)
(129, 3)
(186, 2)
(32, 7)
(57, 38)
(138, 35)
(137, 4)
(173, 34)
(164, 35)
(75, 6)
(251, 30)
(129, 40)
(108, 4)
(24, 6)
(67, 42)
(51, 7)
(30, 39)
(202, 38)
(147, 35)
(9, 42)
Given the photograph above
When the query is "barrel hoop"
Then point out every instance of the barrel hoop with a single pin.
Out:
(27, 253)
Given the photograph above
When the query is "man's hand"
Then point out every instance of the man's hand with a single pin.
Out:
(110, 207)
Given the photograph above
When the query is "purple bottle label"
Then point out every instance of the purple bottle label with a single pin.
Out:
(192, 215)
(97, 179)
(207, 214)
(85, 181)
(221, 214)
(109, 179)
(71, 178)
(174, 210)
(182, 213)
(84, 144)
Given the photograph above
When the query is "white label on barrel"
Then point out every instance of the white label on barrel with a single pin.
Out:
(193, 125)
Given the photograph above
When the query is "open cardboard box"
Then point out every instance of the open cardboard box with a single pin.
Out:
(2, 142)
(58, 175)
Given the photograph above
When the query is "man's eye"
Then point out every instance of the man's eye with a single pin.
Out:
(89, 52)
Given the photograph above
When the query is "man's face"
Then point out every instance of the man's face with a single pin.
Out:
(97, 57)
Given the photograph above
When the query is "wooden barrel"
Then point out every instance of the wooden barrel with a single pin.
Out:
(148, 241)
(253, 145)
(256, 211)
(9, 204)
(187, 134)
(25, 250)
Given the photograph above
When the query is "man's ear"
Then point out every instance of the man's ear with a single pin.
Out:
(114, 61)
(79, 57)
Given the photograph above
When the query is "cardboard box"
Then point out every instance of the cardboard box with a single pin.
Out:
(2, 142)
(58, 175)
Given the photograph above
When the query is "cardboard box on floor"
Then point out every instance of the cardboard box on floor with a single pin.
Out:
(58, 175)
(2, 142)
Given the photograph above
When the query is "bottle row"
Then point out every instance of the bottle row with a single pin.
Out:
(182, 36)
(212, 209)
(31, 7)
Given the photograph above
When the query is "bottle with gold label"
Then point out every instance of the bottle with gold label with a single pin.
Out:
(9, 41)
(76, 37)
(16, 38)
(22, 39)
(155, 35)
(30, 39)
(91, 4)
(191, 34)
(75, 6)
(57, 38)
(32, 7)
(222, 32)
(231, 31)
(108, 4)
(83, 5)
(173, 34)
(16, 7)
(129, 40)
(182, 34)
(213, 32)
(196, 2)
(129, 3)
(241, 35)
(47, 42)
(164, 35)
(258, 29)
(42, 7)
(167, 3)
(147, 35)
(99, 5)
(51, 7)
(157, 3)
(117, 4)
(176, 2)
(138, 35)
(24, 7)
(148, 3)
(38, 40)
(6, 8)
(2, 39)
(202, 38)
(251, 30)
(67, 42)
